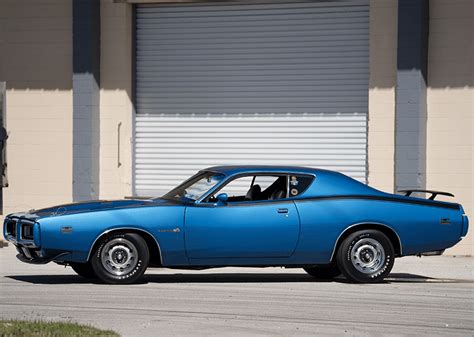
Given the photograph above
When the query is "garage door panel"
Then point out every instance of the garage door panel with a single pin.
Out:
(182, 144)
(276, 60)
(335, 40)
(211, 10)
(271, 84)
(243, 109)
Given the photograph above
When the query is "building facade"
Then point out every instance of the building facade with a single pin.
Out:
(108, 99)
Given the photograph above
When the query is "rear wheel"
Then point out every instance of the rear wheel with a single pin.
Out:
(325, 272)
(121, 258)
(83, 269)
(366, 256)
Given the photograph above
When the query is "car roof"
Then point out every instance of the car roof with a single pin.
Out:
(238, 169)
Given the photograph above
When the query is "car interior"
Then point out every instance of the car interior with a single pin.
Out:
(277, 190)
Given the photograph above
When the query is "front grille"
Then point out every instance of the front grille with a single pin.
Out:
(11, 227)
(27, 231)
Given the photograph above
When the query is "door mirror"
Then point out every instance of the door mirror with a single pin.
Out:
(222, 198)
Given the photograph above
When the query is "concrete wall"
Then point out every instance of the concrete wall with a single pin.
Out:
(450, 129)
(383, 80)
(116, 100)
(36, 63)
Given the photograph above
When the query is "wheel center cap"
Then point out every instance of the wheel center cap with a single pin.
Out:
(366, 256)
(120, 256)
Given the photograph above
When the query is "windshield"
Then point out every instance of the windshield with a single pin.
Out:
(195, 187)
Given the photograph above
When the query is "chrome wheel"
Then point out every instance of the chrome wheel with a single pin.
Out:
(119, 256)
(368, 255)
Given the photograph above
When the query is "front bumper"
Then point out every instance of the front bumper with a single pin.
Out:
(24, 233)
(19, 229)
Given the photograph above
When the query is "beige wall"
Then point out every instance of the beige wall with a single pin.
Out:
(382, 84)
(451, 106)
(115, 100)
(36, 63)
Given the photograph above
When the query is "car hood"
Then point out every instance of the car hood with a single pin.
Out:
(90, 206)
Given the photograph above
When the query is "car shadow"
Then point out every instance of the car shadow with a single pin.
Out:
(230, 278)
(413, 278)
(51, 279)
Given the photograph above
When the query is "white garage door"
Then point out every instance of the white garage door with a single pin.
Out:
(274, 84)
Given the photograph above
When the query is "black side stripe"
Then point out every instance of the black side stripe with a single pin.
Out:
(430, 203)
(381, 198)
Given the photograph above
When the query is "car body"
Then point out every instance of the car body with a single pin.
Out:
(302, 218)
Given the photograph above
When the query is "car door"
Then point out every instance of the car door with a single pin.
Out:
(242, 228)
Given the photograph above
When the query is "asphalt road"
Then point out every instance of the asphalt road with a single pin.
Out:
(428, 296)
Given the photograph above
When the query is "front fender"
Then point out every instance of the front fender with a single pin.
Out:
(77, 233)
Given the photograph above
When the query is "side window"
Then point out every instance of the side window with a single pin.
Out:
(265, 181)
(272, 187)
(299, 184)
(255, 188)
(237, 189)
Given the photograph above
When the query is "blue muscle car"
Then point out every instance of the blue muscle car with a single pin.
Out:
(319, 220)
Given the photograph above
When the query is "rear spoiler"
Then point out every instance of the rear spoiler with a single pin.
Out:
(432, 196)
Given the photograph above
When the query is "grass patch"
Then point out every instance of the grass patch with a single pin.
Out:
(49, 329)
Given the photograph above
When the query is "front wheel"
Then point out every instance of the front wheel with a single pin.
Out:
(121, 258)
(366, 256)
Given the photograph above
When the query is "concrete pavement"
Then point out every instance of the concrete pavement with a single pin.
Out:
(429, 296)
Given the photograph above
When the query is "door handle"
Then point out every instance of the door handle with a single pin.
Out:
(282, 210)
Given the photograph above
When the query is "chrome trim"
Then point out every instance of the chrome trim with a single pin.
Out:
(26, 252)
(288, 186)
(32, 222)
(20, 229)
(366, 223)
(28, 244)
(121, 228)
(22, 243)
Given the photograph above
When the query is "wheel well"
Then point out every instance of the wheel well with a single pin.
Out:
(153, 247)
(389, 232)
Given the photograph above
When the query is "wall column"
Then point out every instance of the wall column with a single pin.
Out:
(86, 99)
(410, 112)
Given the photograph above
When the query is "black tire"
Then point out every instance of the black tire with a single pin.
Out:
(83, 269)
(121, 258)
(324, 272)
(366, 256)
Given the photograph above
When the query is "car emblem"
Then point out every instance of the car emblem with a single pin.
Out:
(59, 211)
(66, 229)
(174, 230)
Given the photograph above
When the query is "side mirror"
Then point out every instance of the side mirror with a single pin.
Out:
(222, 198)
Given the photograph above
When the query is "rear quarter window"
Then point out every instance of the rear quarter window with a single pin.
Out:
(299, 184)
